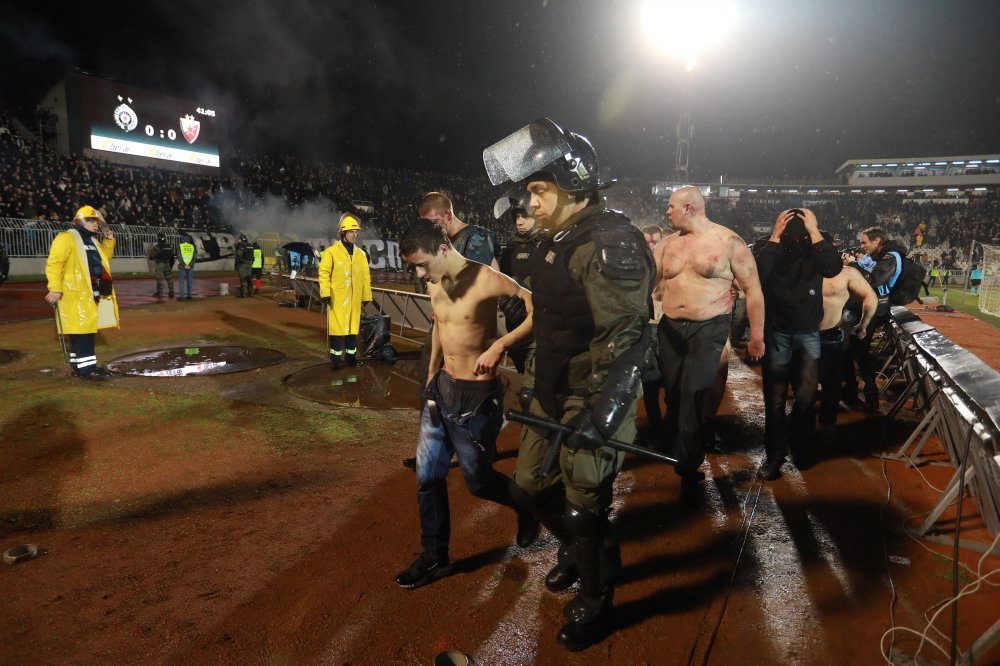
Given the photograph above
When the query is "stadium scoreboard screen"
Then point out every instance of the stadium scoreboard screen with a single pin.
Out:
(115, 119)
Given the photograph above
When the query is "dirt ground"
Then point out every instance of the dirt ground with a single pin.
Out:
(224, 520)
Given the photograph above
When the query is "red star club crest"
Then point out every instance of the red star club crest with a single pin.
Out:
(190, 128)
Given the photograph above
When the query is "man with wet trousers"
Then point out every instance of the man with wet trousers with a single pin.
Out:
(591, 279)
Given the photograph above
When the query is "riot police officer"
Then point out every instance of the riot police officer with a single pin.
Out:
(591, 282)
(163, 261)
(515, 261)
(244, 265)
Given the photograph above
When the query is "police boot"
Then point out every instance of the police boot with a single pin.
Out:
(589, 612)
(334, 362)
(351, 359)
(564, 573)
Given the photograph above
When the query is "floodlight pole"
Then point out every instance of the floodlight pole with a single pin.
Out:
(685, 130)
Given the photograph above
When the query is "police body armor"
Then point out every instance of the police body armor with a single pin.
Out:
(563, 324)
(163, 253)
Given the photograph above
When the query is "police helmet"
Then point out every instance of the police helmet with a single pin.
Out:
(349, 223)
(161, 238)
(544, 148)
(243, 238)
(515, 202)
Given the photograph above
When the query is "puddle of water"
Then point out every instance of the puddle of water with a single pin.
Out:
(200, 360)
(369, 385)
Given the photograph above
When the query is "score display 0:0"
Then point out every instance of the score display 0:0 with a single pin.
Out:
(171, 134)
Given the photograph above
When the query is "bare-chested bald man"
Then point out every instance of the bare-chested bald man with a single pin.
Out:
(836, 321)
(696, 267)
(464, 408)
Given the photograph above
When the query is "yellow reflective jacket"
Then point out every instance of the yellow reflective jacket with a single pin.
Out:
(346, 280)
(66, 273)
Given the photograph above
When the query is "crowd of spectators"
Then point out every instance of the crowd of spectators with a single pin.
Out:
(39, 184)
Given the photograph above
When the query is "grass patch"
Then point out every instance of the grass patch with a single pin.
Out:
(970, 307)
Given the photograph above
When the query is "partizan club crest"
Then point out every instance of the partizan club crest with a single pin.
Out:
(124, 115)
(190, 128)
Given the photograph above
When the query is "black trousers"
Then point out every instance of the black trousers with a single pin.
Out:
(689, 357)
(82, 357)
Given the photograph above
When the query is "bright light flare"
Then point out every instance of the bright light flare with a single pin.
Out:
(687, 28)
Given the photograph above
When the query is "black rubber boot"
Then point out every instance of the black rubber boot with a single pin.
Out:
(588, 614)
(563, 574)
(334, 362)
(351, 359)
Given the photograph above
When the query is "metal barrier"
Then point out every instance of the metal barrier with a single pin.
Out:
(958, 397)
(33, 238)
(408, 312)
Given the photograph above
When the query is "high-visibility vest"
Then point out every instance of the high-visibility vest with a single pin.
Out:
(258, 258)
(187, 253)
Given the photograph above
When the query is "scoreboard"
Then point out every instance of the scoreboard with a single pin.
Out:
(117, 120)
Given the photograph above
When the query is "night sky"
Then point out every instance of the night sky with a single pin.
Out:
(798, 87)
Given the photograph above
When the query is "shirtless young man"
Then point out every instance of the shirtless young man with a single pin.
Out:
(696, 267)
(836, 292)
(464, 408)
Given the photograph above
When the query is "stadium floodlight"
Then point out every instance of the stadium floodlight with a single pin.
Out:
(687, 29)
(979, 189)
(940, 163)
(992, 161)
(952, 189)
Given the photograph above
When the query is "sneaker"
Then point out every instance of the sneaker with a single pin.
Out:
(771, 469)
(425, 569)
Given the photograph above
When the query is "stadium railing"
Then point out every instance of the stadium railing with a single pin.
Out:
(958, 397)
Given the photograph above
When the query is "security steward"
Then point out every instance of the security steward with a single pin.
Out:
(592, 279)
(257, 266)
(345, 285)
(163, 262)
(78, 273)
(243, 254)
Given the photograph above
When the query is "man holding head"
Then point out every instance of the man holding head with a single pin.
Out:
(792, 266)
(696, 267)
(591, 280)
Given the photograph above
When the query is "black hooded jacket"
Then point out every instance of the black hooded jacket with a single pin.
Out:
(792, 281)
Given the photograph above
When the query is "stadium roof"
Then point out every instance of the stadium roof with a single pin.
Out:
(920, 161)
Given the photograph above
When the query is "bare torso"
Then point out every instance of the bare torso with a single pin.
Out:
(695, 273)
(835, 295)
(466, 321)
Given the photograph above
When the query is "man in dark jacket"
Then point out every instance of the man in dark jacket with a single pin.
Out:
(791, 267)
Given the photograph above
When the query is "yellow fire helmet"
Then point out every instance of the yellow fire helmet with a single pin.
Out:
(89, 212)
(349, 223)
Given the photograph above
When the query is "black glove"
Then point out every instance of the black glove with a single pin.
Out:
(585, 433)
(326, 301)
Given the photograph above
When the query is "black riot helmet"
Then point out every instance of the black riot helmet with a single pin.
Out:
(515, 201)
(161, 238)
(545, 148)
(243, 238)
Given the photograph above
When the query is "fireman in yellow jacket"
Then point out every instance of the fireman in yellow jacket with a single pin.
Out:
(345, 285)
(81, 289)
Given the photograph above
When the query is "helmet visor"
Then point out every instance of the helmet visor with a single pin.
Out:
(512, 201)
(531, 148)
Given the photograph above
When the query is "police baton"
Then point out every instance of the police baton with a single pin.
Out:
(561, 431)
(62, 337)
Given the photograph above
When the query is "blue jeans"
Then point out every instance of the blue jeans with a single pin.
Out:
(185, 276)
(789, 358)
(472, 435)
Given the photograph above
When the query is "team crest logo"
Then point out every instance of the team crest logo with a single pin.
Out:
(190, 128)
(125, 117)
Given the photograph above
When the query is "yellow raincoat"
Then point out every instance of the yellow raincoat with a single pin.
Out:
(346, 280)
(67, 273)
